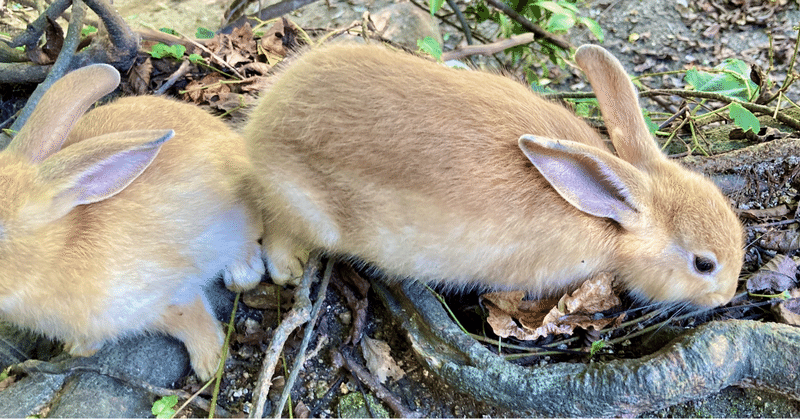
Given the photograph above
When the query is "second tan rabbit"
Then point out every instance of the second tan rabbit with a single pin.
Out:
(116, 232)
(465, 178)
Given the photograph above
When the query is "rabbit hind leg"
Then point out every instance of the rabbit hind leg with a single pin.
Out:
(193, 324)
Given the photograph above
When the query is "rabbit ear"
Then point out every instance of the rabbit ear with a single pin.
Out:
(60, 107)
(98, 168)
(592, 180)
(619, 104)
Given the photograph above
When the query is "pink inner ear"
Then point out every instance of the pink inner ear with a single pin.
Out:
(581, 178)
(108, 177)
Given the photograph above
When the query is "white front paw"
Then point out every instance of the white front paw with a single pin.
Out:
(245, 273)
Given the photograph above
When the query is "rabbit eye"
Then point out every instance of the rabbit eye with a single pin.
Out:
(703, 265)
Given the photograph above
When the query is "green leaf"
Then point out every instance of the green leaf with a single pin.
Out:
(569, 6)
(732, 80)
(597, 346)
(169, 31)
(651, 126)
(161, 50)
(560, 23)
(204, 33)
(744, 119)
(88, 29)
(435, 5)
(735, 65)
(163, 408)
(194, 58)
(584, 110)
(431, 47)
(593, 27)
(553, 7)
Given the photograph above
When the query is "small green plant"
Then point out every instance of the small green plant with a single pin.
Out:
(435, 5)
(562, 15)
(431, 47)
(204, 33)
(730, 79)
(87, 30)
(196, 58)
(554, 16)
(596, 347)
(161, 50)
(164, 407)
(169, 31)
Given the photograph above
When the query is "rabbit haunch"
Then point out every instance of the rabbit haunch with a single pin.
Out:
(466, 177)
(116, 232)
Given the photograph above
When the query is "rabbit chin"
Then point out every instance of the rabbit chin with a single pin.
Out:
(670, 290)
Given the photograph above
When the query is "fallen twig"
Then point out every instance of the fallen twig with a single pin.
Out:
(60, 67)
(340, 357)
(177, 75)
(527, 24)
(488, 49)
(300, 358)
(297, 316)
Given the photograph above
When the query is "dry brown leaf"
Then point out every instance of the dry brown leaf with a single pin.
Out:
(767, 213)
(539, 318)
(301, 411)
(783, 241)
(777, 275)
(379, 360)
(54, 41)
(242, 40)
(277, 37)
(267, 296)
(502, 321)
(258, 67)
(596, 294)
(209, 89)
(788, 311)
(54, 37)
(139, 78)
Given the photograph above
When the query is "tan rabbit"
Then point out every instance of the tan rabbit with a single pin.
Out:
(117, 231)
(467, 178)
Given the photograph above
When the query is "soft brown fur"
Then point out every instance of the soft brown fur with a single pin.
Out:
(134, 258)
(417, 169)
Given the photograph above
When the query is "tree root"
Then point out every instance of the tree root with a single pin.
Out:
(698, 364)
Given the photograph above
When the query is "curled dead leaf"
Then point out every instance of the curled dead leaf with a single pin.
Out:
(209, 89)
(379, 360)
(776, 275)
(54, 41)
(278, 37)
(139, 78)
(511, 315)
(783, 241)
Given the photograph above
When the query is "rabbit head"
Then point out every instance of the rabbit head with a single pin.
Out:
(680, 238)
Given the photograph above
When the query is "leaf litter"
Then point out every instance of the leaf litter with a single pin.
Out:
(511, 315)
